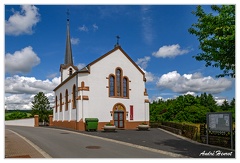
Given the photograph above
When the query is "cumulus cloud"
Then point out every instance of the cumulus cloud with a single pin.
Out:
(74, 41)
(29, 85)
(18, 102)
(193, 83)
(170, 51)
(143, 62)
(83, 28)
(22, 22)
(21, 61)
(20, 91)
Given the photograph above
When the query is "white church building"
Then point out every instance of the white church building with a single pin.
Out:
(111, 88)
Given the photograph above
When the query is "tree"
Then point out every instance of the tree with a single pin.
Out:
(216, 34)
(41, 107)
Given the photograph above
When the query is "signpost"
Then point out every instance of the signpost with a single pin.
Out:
(220, 122)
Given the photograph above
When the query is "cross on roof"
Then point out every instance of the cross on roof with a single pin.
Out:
(117, 44)
(68, 14)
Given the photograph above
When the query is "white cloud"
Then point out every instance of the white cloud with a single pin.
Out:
(83, 28)
(149, 76)
(81, 65)
(219, 100)
(190, 93)
(20, 91)
(21, 61)
(29, 85)
(74, 41)
(95, 27)
(18, 101)
(193, 83)
(170, 51)
(22, 22)
(143, 62)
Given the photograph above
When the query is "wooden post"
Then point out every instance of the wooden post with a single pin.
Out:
(36, 121)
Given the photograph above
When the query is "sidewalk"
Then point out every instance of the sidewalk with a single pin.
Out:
(17, 146)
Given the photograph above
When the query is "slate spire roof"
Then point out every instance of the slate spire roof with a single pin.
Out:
(68, 53)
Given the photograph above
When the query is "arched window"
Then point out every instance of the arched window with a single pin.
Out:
(118, 82)
(66, 100)
(56, 104)
(111, 85)
(60, 102)
(74, 97)
(125, 87)
(70, 71)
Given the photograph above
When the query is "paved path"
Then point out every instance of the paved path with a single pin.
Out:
(69, 144)
(162, 140)
(155, 141)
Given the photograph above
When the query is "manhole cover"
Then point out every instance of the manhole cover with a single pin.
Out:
(93, 147)
(64, 133)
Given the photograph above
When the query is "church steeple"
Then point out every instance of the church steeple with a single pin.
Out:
(68, 53)
(67, 69)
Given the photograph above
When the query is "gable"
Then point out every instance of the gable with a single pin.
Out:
(109, 53)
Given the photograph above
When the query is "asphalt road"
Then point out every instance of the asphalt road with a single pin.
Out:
(68, 144)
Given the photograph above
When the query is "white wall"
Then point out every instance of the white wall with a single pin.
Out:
(21, 122)
(100, 103)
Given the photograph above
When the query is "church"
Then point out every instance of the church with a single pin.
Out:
(110, 88)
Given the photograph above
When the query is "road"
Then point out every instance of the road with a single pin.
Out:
(68, 144)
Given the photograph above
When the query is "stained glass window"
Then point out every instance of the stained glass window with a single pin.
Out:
(112, 90)
(124, 87)
(118, 73)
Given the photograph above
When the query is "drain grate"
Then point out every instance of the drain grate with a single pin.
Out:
(93, 147)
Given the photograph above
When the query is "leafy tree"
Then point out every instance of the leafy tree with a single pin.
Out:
(41, 107)
(225, 106)
(216, 34)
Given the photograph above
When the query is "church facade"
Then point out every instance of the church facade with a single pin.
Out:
(111, 88)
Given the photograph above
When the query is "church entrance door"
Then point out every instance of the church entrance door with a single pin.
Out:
(119, 119)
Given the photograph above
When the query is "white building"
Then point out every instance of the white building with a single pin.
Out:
(111, 88)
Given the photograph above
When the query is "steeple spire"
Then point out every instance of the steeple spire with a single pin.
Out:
(68, 54)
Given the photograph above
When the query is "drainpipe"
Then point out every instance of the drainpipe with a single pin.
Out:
(76, 95)
(82, 104)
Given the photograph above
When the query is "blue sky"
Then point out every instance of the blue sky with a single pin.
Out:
(156, 37)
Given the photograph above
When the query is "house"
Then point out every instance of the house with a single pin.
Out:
(111, 88)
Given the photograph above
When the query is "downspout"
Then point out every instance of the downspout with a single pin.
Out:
(76, 93)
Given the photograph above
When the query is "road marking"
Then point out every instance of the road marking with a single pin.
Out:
(33, 145)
